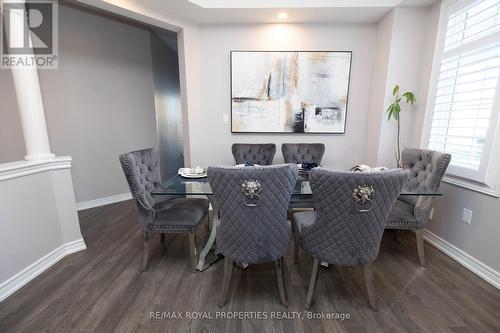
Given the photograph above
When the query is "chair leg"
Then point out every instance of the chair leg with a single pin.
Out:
(420, 246)
(296, 243)
(192, 250)
(280, 276)
(368, 273)
(163, 238)
(207, 224)
(312, 283)
(145, 254)
(226, 281)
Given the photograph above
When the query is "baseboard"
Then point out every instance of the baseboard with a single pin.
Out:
(475, 266)
(103, 201)
(17, 281)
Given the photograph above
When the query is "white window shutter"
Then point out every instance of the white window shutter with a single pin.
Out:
(466, 88)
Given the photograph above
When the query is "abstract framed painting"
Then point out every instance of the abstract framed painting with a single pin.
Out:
(289, 91)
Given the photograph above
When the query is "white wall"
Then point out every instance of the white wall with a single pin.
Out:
(37, 227)
(100, 102)
(376, 107)
(404, 68)
(417, 115)
(401, 58)
(11, 133)
(189, 61)
(38, 220)
(213, 138)
(481, 238)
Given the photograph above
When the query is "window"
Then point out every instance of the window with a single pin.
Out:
(465, 101)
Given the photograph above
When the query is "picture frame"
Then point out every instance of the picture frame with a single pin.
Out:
(289, 91)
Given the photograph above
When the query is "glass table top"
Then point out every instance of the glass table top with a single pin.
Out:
(178, 185)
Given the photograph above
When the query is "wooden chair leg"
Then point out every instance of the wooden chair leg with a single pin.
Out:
(368, 273)
(163, 238)
(145, 254)
(192, 251)
(226, 281)
(280, 276)
(312, 283)
(420, 246)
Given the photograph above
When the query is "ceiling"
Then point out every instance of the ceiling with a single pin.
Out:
(266, 11)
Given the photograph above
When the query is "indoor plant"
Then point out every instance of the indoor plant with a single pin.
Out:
(393, 111)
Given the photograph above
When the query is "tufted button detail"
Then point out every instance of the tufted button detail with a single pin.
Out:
(303, 152)
(255, 153)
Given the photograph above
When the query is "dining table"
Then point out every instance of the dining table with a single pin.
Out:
(194, 187)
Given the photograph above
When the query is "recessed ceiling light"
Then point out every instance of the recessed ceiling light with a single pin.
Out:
(282, 15)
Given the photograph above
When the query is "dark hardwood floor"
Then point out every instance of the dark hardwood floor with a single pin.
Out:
(101, 289)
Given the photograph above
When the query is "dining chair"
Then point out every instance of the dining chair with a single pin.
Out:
(253, 229)
(255, 153)
(298, 153)
(347, 226)
(411, 212)
(303, 152)
(173, 215)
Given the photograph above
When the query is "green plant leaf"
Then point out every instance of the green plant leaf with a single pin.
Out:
(395, 90)
(410, 97)
(396, 111)
(389, 111)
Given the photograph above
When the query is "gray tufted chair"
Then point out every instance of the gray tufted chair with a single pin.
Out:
(256, 153)
(253, 231)
(300, 152)
(427, 169)
(339, 232)
(176, 215)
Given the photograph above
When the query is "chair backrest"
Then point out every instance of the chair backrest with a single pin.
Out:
(256, 153)
(344, 234)
(142, 173)
(303, 152)
(427, 169)
(258, 232)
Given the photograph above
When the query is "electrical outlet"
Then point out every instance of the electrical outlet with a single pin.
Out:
(225, 119)
(431, 215)
(467, 216)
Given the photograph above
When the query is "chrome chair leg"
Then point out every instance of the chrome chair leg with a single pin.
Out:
(145, 254)
(192, 251)
(207, 224)
(312, 283)
(226, 281)
(280, 276)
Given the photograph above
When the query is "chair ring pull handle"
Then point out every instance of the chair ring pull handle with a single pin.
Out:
(360, 205)
(251, 200)
(251, 189)
(362, 196)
